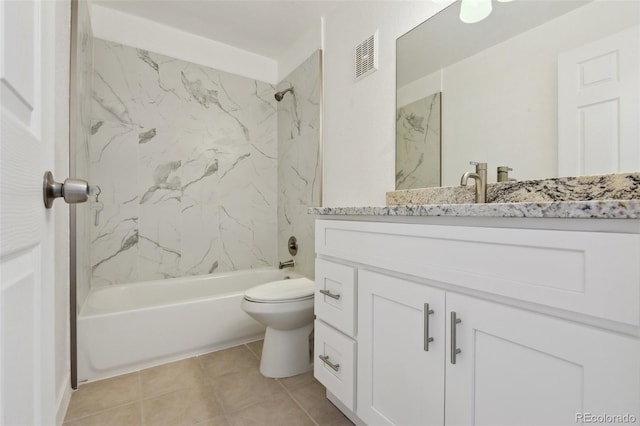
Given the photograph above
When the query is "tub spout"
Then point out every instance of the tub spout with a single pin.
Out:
(287, 264)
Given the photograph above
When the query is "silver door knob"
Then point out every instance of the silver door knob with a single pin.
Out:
(72, 190)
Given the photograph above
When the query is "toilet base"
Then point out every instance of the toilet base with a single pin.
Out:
(285, 353)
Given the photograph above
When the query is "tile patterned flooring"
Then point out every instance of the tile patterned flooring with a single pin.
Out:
(219, 388)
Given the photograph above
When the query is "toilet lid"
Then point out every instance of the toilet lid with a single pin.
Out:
(283, 290)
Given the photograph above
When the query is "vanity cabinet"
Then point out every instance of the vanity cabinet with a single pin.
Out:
(518, 367)
(400, 369)
(334, 336)
(515, 367)
(522, 359)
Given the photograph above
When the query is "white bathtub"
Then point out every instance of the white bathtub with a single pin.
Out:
(128, 327)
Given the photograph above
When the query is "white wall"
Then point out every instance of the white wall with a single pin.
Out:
(112, 25)
(299, 51)
(359, 117)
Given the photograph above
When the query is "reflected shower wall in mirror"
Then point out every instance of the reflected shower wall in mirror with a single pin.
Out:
(549, 88)
(418, 143)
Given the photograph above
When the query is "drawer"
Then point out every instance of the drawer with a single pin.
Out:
(591, 273)
(337, 372)
(335, 297)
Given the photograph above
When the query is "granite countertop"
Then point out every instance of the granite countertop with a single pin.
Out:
(613, 196)
(598, 209)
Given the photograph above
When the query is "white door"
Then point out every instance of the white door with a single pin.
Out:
(400, 378)
(522, 368)
(27, 44)
(599, 106)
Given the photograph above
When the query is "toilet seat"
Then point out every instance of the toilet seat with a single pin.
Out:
(283, 291)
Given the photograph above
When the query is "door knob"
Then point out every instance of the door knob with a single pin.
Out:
(72, 190)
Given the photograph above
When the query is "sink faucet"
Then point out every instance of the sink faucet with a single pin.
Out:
(480, 176)
(287, 264)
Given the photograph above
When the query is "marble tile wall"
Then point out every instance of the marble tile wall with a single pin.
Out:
(84, 68)
(299, 165)
(418, 143)
(186, 157)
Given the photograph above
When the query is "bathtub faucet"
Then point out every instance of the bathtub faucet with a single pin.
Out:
(287, 264)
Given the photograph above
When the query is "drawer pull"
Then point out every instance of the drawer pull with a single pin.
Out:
(454, 349)
(331, 295)
(325, 359)
(427, 338)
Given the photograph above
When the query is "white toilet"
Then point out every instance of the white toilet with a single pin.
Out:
(285, 307)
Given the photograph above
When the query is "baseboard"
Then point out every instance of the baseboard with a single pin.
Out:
(64, 397)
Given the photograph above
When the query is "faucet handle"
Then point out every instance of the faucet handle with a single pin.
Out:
(503, 174)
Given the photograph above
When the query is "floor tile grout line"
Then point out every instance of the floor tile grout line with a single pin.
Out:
(207, 381)
(215, 391)
(142, 419)
(258, 357)
(93, 413)
(295, 401)
(286, 390)
(251, 350)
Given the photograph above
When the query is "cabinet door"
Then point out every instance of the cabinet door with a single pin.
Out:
(522, 368)
(399, 382)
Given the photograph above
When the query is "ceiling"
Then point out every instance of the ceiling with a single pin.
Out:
(264, 27)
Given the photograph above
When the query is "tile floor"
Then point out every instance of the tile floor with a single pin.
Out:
(220, 388)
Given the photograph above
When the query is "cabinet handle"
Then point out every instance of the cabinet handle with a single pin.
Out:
(454, 349)
(325, 359)
(427, 339)
(331, 295)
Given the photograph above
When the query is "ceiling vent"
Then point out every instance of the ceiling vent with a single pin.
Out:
(367, 56)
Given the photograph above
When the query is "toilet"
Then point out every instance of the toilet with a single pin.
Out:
(285, 307)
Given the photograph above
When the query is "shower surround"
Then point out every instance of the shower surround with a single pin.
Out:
(186, 157)
(83, 73)
(201, 171)
(299, 165)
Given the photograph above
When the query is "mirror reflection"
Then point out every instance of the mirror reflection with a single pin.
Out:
(548, 88)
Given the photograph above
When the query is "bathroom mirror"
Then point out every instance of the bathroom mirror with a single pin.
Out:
(549, 88)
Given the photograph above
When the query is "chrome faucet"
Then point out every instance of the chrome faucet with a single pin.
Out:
(480, 176)
(287, 264)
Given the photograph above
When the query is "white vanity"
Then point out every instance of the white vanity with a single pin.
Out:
(461, 320)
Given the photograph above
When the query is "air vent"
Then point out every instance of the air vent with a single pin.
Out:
(367, 56)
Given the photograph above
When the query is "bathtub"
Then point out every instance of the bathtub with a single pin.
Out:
(128, 327)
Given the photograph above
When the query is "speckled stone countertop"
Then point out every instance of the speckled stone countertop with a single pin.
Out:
(622, 186)
(615, 196)
(605, 209)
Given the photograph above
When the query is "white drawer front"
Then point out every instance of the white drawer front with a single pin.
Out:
(592, 273)
(337, 372)
(335, 297)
